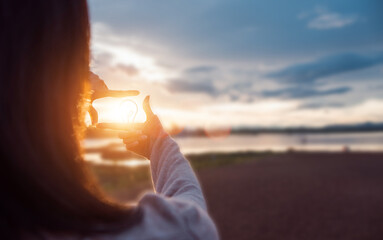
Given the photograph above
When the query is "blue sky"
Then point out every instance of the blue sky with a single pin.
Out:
(237, 62)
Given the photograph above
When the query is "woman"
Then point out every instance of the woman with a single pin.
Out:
(46, 190)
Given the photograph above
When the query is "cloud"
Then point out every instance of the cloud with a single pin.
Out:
(101, 59)
(302, 92)
(214, 38)
(327, 20)
(308, 73)
(323, 19)
(130, 70)
(330, 20)
(203, 29)
(200, 69)
(208, 80)
(198, 79)
(200, 86)
(318, 105)
(214, 82)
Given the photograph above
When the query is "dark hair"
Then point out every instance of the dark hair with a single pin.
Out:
(44, 68)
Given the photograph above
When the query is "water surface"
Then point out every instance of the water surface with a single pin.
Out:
(261, 142)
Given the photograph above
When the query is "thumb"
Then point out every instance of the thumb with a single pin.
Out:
(148, 110)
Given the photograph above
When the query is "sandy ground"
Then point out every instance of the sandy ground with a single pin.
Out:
(298, 196)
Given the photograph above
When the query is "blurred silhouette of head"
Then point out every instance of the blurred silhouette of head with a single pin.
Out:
(44, 68)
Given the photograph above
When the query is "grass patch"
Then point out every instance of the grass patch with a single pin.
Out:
(211, 160)
(116, 179)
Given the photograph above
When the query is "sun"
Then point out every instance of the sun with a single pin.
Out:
(119, 110)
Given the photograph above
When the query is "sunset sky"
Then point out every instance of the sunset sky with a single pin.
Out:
(243, 63)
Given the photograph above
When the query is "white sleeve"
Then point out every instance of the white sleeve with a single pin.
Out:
(170, 218)
(177, 210)
(172, 174)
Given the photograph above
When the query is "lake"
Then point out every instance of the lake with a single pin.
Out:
(260, 142)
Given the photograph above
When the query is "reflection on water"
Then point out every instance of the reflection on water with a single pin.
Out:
(97, 159)
(283, 142)
(260, 142)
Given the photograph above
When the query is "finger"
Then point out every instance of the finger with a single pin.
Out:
(116, 126)
(130, 145)
(120, 126)
(97, 83)
(93, 115)
(134, 139)
(130, 134)
(93, 76)
(118, 94)
(130, 141)
(148, 110)
(102, 93)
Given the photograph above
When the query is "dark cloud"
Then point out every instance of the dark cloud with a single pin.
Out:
(229, 29)
(198, 79)
(303, 92)
(260, 33)
(130, 70)
(235, 92)
(202, 78)
(200, 86)
(240, 86)
(234, 97)
(200, 69)
(210, 80)
(206, 79)
(309, 73)
(101, 59)
(317, 105)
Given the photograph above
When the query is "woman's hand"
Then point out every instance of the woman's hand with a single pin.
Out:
(100, 90)
(96, 83)
(140, 140)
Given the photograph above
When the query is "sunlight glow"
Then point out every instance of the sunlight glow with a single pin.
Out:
(128, 111)
(106, 42)
(96, 158)
(114, 50)
(117, 110)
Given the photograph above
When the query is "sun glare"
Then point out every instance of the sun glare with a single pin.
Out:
(117, 110)
(128, 111)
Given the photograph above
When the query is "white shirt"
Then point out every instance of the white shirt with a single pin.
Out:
(177, 210)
